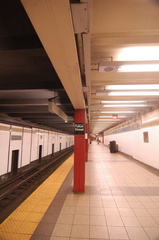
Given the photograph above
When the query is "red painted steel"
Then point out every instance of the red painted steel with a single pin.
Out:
(79, 154)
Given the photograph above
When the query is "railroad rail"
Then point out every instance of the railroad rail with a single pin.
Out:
(18, 188)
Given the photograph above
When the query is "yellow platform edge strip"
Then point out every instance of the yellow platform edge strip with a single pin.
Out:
(21, 224)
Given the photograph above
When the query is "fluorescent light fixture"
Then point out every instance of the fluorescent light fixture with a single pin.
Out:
(139, 53)
(106, 120)
(117, 112)
(139, 68)
(122, 101)
(129, 66)
(133, 87)
(108, 116)
(126, 105)
(53, 108)
(137, 93)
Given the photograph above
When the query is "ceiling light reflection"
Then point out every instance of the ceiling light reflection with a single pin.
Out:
(108, 116)
(139, 68)
(105, 120)
(126, 105)
(139, 53)
(137, 93)
(123, 101)
(117, 112)
(133, 87)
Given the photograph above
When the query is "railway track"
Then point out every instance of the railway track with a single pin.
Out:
(16, 189)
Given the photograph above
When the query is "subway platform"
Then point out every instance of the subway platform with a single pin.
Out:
(121, 201)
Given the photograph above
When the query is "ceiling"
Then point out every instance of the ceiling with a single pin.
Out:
(52, 50)
(28, 79)
(116, 26)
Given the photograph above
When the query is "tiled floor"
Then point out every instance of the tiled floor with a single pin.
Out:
(121, 201)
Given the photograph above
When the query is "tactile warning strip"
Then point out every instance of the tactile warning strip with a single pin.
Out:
(21, 224)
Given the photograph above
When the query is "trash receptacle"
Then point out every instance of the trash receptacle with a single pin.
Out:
(112, 146)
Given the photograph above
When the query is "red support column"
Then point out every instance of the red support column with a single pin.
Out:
(79, 151)
(102, 138)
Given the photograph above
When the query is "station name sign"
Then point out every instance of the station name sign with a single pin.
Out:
(16, 137)
(79, 128)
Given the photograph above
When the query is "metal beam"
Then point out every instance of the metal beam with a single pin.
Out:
(27, 102)
(27, 109)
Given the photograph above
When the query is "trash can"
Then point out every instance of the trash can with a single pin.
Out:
(112, 145)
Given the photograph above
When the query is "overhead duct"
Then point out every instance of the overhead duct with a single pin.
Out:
(53, 108)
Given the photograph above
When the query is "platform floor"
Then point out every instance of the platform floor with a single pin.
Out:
(121, 201)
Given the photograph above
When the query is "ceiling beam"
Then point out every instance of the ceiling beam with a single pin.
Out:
(54, 118)
(28, 102)
(127, 33)
(22, 90)
(52, 21)
(27, 109)
(34, 115)
(115, 77)
(49, 121)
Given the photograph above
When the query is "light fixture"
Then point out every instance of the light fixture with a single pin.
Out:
(127, 93)
(108, 116)
(117, 111)
(126, 105)
(123, 101)
(139, 68)
(133, 93)
(145, 87)
(133, 87)
(129, 66)
(139, 53)
(105, 120)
